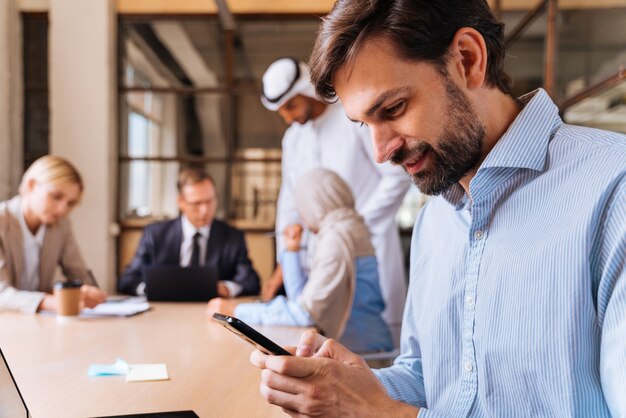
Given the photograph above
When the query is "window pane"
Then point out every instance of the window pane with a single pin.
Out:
(148, 189)
(255, 186)
(176, 125)
(196, 125)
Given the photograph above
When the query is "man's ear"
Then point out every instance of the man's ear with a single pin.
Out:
(468, 53)
(180, 201)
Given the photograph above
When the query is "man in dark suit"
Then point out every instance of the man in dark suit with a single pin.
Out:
(194, 239)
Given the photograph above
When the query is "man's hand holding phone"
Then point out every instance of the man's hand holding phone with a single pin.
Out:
(324, 379)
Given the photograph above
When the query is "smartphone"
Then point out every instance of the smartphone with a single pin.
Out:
(246, 332)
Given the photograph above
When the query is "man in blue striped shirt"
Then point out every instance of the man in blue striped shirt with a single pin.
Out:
(517, 300)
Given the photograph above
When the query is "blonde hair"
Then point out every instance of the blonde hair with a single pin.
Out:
(53, 170)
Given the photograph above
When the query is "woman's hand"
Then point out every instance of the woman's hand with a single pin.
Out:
(91, 296)
(222, 290)
(292, 235)
(48, 303)
(271, 285)
(221, 305)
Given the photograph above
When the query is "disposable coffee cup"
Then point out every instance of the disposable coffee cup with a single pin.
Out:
(67, 296)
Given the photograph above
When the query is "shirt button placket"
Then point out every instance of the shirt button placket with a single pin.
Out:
(476, 247)
(468, 365)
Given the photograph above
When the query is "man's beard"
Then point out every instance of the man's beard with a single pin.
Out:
(458, 150)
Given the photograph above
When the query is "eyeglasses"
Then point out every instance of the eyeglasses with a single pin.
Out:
(200, 203)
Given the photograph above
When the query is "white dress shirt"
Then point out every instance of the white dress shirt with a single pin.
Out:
(186, 250)
(186, 245)
(32, 249)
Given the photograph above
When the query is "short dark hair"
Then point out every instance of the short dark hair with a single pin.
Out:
(421, 30)
(192, 175)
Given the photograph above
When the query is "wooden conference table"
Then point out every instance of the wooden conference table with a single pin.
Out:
(209, 367)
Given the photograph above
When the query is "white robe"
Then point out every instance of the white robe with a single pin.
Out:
(332, 141)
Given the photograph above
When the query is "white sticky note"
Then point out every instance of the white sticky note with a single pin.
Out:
(147, 372)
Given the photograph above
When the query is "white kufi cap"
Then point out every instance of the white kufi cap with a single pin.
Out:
(283, 80)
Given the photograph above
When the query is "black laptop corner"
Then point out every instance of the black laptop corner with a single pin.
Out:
(171, 414)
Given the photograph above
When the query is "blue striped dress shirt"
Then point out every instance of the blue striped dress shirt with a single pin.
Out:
(517, 300)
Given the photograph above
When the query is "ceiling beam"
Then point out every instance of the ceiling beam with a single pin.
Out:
(315, 7)
(299, 7)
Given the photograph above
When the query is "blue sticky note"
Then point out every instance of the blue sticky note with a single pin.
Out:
(120, 367)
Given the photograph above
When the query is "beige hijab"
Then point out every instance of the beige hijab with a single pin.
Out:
(326, 205)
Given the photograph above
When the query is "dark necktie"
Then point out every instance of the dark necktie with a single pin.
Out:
(195, 253)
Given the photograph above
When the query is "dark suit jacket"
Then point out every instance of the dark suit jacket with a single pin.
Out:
(226, 251)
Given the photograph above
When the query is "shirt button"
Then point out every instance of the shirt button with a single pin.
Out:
(479, 234)
(468, 367)
(469, 300)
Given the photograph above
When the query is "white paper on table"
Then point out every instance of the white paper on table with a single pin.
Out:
(116, 309)
(147, 372)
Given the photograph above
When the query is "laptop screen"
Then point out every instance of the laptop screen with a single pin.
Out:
(11, 402)
(172, 283)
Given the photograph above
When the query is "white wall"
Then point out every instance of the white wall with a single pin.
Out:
(83, 122)
(11, 104)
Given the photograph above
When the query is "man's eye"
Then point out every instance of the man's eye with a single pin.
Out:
(395, 109)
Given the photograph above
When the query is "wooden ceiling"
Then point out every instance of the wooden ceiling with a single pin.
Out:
(316, 7)
(297, 7)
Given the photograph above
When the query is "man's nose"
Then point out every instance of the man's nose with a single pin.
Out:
(385, 142)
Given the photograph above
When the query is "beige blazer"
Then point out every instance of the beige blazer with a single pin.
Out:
(59, 249)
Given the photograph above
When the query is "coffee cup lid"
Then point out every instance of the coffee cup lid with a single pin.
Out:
(68, 284)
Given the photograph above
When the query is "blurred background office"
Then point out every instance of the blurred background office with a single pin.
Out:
(132, 90)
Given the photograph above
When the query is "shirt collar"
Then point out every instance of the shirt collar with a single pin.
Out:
(525, 143)
(38, 237)
(189, 229)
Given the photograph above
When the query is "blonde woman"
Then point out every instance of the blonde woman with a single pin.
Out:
(36, 237)
(341, 295)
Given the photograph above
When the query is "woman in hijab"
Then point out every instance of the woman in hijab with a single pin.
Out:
(36, 237)
(341, 295)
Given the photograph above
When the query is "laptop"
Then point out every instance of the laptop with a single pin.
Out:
(12, 403)
(180, 284)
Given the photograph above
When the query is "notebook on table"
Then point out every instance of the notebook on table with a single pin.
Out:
(12, 403)
(171, 283)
